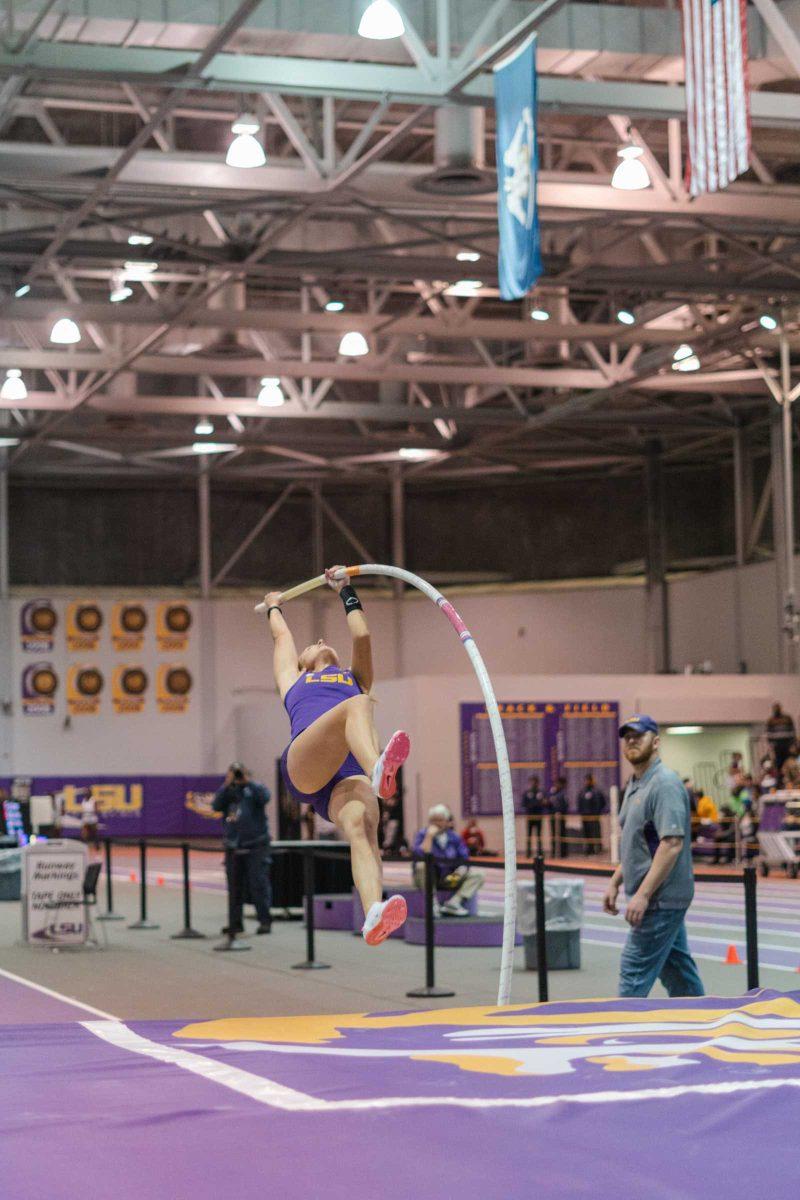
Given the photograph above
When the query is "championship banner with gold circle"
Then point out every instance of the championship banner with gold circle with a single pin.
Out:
(128, 625)
(84, 622)
(37, 624)
(39, 687)
(129, 688)
(173, 686)
(84, 689)
(173, 622)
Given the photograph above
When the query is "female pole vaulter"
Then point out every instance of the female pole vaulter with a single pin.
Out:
(333, 760)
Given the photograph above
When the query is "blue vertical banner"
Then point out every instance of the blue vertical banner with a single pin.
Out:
(520, 262)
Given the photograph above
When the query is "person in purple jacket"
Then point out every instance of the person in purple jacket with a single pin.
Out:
(451, 862)
(333, 761)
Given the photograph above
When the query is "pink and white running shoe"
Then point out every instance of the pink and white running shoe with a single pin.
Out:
(383, 918)
(384, 772)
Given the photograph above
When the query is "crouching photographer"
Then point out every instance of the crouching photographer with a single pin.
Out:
(248, 862)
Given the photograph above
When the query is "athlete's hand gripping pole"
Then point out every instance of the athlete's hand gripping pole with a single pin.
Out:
(300, 589)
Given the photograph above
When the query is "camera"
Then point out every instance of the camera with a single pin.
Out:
(238, 773)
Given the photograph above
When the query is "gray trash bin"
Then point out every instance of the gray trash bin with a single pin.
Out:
(10, 874)
(563, 916)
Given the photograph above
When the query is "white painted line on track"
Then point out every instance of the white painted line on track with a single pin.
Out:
(701, 937)
(46, 991)
(267, 1091)
(695, 954)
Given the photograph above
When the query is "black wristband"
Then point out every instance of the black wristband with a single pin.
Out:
(350, 599)
(274, 608)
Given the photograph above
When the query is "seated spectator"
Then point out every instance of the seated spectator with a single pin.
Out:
(472, 837)
(725, 837)
(707, 809)
(733, 776)
(790, 775)
(768, 778)
(743, 792)
(694, 795)
(393, 843)
(748, 831)
(451, 862)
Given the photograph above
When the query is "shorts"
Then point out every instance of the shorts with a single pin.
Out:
(320, 800)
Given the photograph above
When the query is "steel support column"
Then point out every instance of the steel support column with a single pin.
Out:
(398, 560)
(204, 531)
(318, 557)
(779, 541)
(207, 683)
(657, 596)
(4, 567)
(791, 618)
(743, 516)
(6, 687)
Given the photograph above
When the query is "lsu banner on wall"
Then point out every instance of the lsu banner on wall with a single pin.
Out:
(37, 623)
(136, 806)
(129, 688)
(520, 262)
(84, 622)
(128, 624)
(173, 622)
(39, 687)
(84, 689)
(173, 685)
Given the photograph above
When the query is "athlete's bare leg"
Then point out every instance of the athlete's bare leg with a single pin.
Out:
(355, 813)
(316, 754)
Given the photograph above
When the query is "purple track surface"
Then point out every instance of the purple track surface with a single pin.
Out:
(652, 1099)
(23, 1005)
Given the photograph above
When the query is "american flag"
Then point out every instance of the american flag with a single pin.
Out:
(717, 92)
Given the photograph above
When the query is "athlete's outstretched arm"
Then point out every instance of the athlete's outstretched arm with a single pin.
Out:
(361, 661)
(284, 658)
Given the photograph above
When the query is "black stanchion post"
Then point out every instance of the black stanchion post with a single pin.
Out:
(751, 926)
(430, 988)
(308, 888)
(541, 930)
(109, 914)
(143, 922)
(187, 932)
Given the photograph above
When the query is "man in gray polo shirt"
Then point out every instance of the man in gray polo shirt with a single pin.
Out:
(656, 870)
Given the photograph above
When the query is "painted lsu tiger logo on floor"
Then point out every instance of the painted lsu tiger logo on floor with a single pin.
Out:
(532, 1040)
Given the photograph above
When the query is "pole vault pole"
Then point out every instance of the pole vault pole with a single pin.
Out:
(498, 736)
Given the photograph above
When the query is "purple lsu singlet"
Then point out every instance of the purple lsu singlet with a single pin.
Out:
(317, 692)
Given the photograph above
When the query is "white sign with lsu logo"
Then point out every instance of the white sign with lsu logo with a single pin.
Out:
(52, 893)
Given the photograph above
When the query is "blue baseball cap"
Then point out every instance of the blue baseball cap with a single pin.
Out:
(639, 724)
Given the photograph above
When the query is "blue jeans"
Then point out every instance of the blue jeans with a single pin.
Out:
(658, 949)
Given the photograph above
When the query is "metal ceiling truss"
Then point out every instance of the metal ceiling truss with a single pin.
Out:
(103, 136)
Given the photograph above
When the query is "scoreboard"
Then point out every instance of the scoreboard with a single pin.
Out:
(544, 738)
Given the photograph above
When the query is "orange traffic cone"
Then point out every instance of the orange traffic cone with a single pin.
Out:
(159, 880)
(732, 957)
(132, 877)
